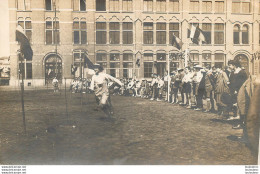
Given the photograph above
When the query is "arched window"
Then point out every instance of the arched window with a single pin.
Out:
(52, 29)
(236, 33)
(80, 31)
(245, 39)
(27, 26)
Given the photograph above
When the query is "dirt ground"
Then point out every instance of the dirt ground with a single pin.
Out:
(141, 132)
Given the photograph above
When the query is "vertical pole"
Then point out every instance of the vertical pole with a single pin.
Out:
(22, 98)
(168, 79)
(55, 40)
(66, 101)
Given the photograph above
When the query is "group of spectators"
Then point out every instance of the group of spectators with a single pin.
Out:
(207, 89)
(80, 85)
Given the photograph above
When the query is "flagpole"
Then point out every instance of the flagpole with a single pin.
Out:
(22, 96)
(168, 79)
(55, 40)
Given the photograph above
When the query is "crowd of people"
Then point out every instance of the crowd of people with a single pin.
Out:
(80, 85)
(207, 89)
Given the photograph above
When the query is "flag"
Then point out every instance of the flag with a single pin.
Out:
(138, 62)
(88, 64)
(25, 46)
(197, 36)
(176, 42)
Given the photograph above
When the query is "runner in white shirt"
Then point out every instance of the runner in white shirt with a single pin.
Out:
(99, 84)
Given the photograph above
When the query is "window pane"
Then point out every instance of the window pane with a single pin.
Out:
(83, 37)
(76, 37)
(127, 37)
(246, 7)
(194, 6)
(101, 25)
(48, 4)
(82, 5)
(29, 70)
(128, 65)
(206, 7)
(114, 37)
(148, 68)
(235, 7)
(161, 56)
(48, 24)
(219, 57)
(148, 56)
(161, 37)
(114, 57)
(127, 57)
(100, 5)
(148, 26)
(206, 56)
(101, 57)
(28, 25)
(56, 25)
(75, 25)
(83, 26)
(48, 37)
(127, 26)
(148, 37)
(148, 5)
(101, 37)
(194, 56)
(219, 6)
(174, 6)
(56, 37)
(114, 26)
(161, 5)
(207, 32)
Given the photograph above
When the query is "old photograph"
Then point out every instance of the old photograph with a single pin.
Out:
(129, 82)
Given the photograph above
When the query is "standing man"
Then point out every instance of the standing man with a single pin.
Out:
(198, 91)
(236, 81)
(55, 84)
(187, 79)
(154, 85)
(99, 84)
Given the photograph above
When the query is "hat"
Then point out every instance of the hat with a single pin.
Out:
(197, 66)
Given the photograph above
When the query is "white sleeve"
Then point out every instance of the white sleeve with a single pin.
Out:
(92, 84)
(109, 77)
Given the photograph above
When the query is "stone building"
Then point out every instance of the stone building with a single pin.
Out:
(130, 38)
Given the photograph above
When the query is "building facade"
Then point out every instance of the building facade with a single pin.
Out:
(130, 38)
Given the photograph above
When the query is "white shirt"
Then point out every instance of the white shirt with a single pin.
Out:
(102, 78)
(187, 77)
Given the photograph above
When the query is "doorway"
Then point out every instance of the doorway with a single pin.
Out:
(53, 68)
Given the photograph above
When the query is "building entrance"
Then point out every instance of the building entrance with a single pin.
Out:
(53, 68)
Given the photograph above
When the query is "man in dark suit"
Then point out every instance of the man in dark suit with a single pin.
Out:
(236, 81)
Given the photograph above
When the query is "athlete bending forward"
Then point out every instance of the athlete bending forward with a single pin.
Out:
(99, 84)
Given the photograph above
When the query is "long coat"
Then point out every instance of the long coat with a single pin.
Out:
(221, 87)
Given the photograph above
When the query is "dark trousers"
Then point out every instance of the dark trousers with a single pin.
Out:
(199, 98)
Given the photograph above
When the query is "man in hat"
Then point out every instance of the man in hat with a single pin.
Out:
(198, 93)
(99, 84)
